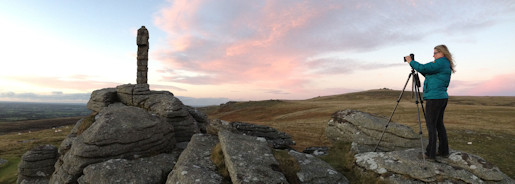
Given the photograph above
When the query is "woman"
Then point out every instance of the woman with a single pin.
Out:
(437, 77)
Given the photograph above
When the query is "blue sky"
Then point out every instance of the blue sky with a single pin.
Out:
(250, 50)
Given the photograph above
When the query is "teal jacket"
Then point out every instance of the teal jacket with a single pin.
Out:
(438, 76)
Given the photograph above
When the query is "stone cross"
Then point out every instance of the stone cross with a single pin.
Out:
(142, 42)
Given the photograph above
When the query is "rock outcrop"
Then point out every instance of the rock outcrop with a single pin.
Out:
(248, 159)
(161, 103)
(364, 131)
(129, 126)
(406, 166)
(275, 138)
(118, 131)
(37, 165)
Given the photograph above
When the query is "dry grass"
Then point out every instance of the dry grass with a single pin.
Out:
(288, 165)
(488, 120)
(86, 123)
(217, 157)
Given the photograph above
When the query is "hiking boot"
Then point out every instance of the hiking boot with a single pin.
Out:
(424, 156)
(438, 154)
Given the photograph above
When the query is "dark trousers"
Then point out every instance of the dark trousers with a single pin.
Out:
(435, 109)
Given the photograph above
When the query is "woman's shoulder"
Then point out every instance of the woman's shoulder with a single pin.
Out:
(442, 59)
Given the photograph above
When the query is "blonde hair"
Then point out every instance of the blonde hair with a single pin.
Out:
(445, 51)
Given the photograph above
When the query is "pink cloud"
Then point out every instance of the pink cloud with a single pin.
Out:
(267, 44)
(500, 85)
(246, 47)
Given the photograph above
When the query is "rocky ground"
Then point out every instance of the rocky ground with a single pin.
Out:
(140, 136)
(399, 159)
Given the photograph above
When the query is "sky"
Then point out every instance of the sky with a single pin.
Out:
(220, 50)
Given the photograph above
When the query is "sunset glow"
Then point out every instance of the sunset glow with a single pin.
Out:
(251, 50)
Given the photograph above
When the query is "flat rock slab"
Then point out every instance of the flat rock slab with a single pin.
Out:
(144, 170)
(249, 159)
(315, 171)
(194, 164)
(366, 129)
(407, 167)
(274, 137)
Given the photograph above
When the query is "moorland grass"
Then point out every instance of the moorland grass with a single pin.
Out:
(14, 145)
(487, 122)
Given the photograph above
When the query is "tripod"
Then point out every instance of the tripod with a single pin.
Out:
(416, 91)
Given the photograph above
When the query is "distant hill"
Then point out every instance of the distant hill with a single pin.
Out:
(375, 101)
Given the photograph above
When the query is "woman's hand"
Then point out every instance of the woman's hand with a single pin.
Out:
(408, 59)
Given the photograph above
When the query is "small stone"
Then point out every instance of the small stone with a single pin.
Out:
(261, 139)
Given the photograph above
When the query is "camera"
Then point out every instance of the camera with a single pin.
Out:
(412, 57)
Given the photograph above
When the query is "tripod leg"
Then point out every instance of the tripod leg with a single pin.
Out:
(417, 84)
(395, 108)
(421, 103)
(417, 93)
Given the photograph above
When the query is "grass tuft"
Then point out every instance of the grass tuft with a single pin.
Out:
(86, 123)
(288, 165)
(217, 157)
(342, 159)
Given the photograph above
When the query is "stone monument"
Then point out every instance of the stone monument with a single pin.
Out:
(142, 42)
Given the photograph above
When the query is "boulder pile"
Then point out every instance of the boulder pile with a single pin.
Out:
(130, 126)
(135, 135)
(248, 158)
